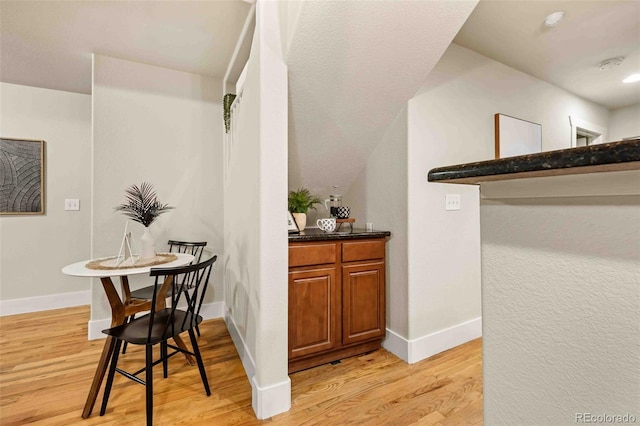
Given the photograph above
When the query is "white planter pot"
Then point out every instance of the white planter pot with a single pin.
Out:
(301, 220)
(147, 245)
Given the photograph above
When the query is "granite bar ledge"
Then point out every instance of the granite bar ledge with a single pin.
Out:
(315, 234)
(607, 157)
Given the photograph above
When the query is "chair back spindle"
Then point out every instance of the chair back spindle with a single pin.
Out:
(184, 312)
(194, 248)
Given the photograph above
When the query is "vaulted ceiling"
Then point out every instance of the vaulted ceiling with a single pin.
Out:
(352, 68)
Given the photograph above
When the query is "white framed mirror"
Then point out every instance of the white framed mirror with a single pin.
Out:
(514, 136)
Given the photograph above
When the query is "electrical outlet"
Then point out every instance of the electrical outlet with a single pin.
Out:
(72, 204)
(452, 202)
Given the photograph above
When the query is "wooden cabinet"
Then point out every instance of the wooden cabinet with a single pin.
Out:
(336, 300)
(363, 313)
(314, 302)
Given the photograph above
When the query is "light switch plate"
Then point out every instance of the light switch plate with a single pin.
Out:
(452, 202)
(72, 204)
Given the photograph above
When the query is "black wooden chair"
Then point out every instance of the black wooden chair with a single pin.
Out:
(195, 249)
(146, 293)
(161, 324)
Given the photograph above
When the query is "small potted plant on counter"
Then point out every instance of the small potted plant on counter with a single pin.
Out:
(300, 202)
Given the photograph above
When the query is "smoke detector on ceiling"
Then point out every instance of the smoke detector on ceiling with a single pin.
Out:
(553, 19)
(610, 63)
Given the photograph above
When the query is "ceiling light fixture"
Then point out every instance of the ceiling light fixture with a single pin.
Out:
(553, 19)
(633, 78)
(610, 63)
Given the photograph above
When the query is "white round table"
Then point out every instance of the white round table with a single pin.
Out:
(120, 309)
(80, 269)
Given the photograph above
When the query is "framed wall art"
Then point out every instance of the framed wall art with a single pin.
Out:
(21, 176)
(514, 136)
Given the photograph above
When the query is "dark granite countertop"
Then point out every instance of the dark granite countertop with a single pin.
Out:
(613, 156)
(315, 234)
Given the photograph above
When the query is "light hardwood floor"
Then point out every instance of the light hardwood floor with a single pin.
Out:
(46, 366)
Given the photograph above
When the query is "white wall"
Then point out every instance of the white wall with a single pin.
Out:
(255, 197)
(561, 305)
(241, 212)
(624, 123)
(451, 122)
(33, 249)
(379, 195)
(164, 127)
(444, 246)
(470, 88)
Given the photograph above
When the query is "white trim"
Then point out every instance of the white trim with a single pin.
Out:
(95, 327)
(248, 21)
(208, 311)
(576, 122)
(397, 345)
(266, 401)
(212, 310)
(270, 400)
(241, 347)
(412, 351)
(241, 79)
(44, 303)
(442, 340)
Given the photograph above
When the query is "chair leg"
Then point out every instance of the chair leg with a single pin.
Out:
(196, 350)
(186, 294)
(163, 355)
(149, 384)
(112, 373)
(127, 320)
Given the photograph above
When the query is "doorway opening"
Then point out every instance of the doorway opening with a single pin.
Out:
(584, 133)
(585, 137)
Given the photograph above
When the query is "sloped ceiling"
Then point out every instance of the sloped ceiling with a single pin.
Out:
(566, 55)
(352, 67)
(49, 44)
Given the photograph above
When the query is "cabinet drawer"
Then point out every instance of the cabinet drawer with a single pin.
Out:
(362, 250)
(312, 254)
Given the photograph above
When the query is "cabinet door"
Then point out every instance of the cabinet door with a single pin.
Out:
(363, 304)
(314, 307)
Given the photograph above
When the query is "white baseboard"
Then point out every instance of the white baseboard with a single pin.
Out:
(397, 345)
(44, 303)
(412, 351)
(243, 351)
(212, 310)
(270, 400)
(95, 327)
(208, 311)
(266, 401)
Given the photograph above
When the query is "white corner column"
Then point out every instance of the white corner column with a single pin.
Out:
(561, 299)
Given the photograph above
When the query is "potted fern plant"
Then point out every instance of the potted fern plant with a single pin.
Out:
(300, 202)
(142, 206)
